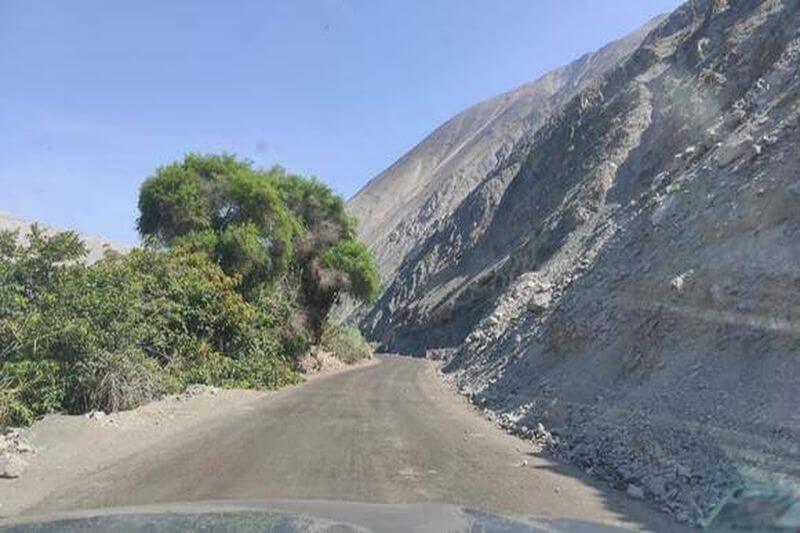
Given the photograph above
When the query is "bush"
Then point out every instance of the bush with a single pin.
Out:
(115, 381)
(353, 259)
(130, 328)
(29, 389)
(346, 343)
(251, 371)
(280, 311)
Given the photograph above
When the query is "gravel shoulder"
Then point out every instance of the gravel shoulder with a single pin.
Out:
(388, 432)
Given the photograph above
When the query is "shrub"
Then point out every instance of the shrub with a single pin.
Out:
(29, 389)
(114, 381)
(130, 328)
(251, 371)
(346, 343)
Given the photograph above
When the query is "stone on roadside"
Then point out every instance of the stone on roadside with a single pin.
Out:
(657, 486)
(635, 491)
(24, 447)
(679, 282)
(198, 389)
(96, 415)
(11, 466)
(13, 434)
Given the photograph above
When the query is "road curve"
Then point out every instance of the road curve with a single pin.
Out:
(389, 433)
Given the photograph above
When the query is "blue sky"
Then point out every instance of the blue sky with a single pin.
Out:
(95, 94)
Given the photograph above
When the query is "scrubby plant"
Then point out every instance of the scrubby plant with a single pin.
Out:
(346, 343)
(114, 381)
(29, 389)
(126, 329)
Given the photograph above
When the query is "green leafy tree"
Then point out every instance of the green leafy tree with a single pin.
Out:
(261, 225)
(344, 268)
(321, 212)
(224, 206)
(28, 268)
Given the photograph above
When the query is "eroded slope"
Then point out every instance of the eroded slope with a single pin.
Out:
(629, 276)
(409, 201)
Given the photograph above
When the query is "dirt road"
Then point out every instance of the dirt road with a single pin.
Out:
(389, 433)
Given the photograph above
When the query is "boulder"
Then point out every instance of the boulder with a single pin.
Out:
(683, 472)
(663, 209)
(24, 447)
(657, 486)
(635, 491)
(718, 295)
(11, 466)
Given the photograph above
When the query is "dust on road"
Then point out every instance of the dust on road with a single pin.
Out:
(389, 433)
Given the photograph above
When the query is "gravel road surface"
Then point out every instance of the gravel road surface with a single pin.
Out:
(389, 432)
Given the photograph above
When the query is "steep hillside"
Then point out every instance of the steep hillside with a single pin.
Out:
(408, 201)
(96, 245)
(629, 275)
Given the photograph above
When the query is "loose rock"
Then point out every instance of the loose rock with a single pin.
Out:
(11, 466)
(635, 491)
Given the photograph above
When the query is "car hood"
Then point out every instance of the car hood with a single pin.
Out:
(289, 516)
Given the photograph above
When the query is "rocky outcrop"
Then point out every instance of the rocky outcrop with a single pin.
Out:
(628, 275)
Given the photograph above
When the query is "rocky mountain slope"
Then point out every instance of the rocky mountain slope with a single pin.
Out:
(627, 275)
(96, 245)
(409, 201)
